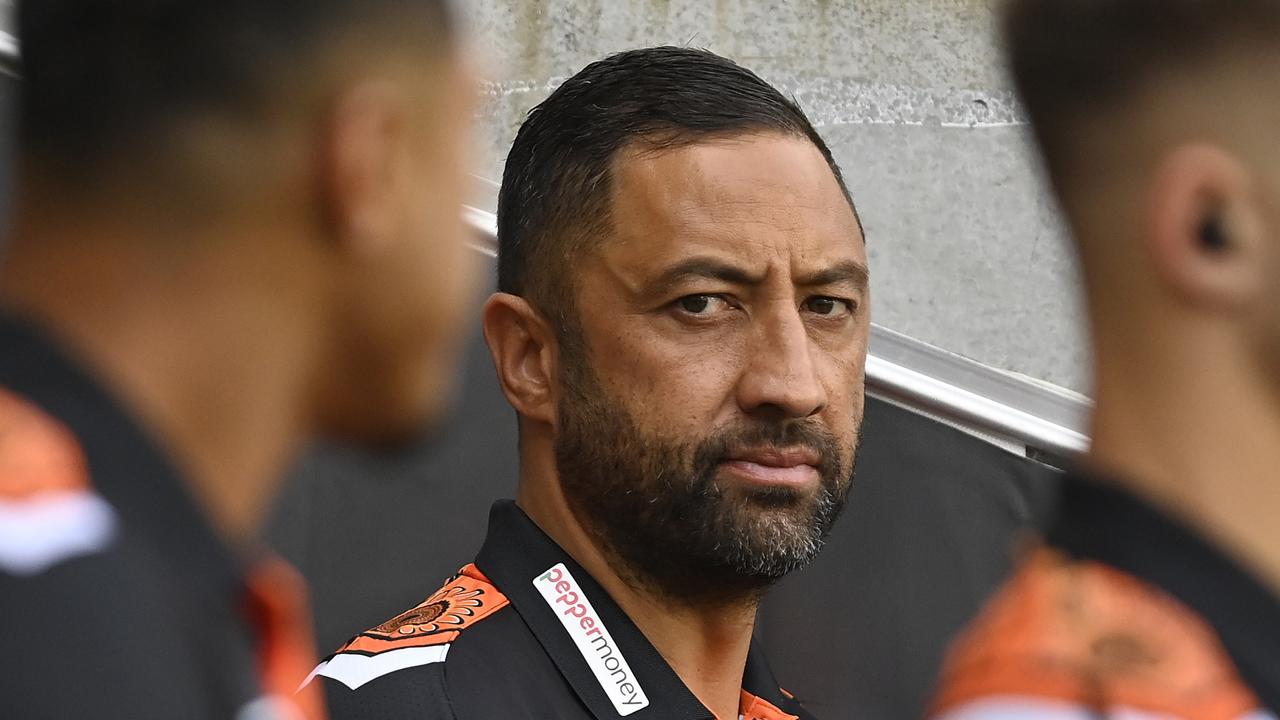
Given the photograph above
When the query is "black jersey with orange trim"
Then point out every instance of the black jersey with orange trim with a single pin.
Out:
(117, 600)
(1121, 613)
(524, 632)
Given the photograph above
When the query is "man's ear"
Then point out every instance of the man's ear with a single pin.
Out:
(522, 346)
(1205, 229)
(363, 166)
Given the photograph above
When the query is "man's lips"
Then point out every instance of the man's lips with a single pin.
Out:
(792, 467)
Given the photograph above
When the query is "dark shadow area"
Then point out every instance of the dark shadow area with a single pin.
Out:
(8, 131)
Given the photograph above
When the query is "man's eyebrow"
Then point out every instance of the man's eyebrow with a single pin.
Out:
(705, 267)
(849, 271)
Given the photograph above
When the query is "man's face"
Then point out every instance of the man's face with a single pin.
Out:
(712, 394)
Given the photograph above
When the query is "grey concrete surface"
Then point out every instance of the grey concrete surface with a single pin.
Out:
(967, 249)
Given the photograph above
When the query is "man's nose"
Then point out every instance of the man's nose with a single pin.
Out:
(781, 378)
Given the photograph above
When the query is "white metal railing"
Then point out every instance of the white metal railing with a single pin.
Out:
(8, 38)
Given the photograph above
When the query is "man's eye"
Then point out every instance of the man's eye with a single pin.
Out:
(700, 304)
(828, 306)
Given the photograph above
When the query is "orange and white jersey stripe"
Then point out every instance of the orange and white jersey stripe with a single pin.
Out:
(1072, 639)
(48, 510)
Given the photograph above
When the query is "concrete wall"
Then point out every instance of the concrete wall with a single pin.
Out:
(966, 248)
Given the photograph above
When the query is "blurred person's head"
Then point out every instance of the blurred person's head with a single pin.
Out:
(1159, 123)
(682, 321)
(313, 148)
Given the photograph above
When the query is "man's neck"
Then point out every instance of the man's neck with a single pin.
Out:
(706, 646)
(199, 350)
(1202, 440)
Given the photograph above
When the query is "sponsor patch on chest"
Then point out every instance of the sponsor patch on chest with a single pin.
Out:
(592, 638)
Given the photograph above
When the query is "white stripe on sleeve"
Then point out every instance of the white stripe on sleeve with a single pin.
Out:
(354, 670)
(39, 532)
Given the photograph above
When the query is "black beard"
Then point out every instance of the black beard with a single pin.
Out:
(663, 519)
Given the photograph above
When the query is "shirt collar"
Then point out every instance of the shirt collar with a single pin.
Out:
(759, 681)
(516, 552)
(125, 466)
(1099, 520)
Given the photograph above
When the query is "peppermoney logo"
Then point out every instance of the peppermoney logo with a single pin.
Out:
(595, 643)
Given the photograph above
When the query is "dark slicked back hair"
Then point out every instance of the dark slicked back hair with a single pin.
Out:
(555, 196)
(104, 79)
(1075, 61)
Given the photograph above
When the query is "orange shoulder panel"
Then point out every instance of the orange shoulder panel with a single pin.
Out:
(751, 707)
(37, 453)
(466, 599)
(1088, 634)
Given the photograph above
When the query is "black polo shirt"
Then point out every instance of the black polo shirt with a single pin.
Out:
(525, 632)
(117, 600)
(1123, 609)
(1101, 522)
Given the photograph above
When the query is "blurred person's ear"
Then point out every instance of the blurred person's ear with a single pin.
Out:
(523, 348)
(364, 167)
(1205, 235)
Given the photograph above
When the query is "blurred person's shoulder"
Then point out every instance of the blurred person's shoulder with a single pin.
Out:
(77, 595)
(1075, 638)
(99, 619)
(1125, 610)
(49, 512)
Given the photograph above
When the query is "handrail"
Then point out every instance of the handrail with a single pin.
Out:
(1010, 407)
(934, 382)
(8, 38)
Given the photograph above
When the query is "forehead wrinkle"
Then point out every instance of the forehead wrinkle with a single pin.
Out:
(698, 183)
(760, 229)
(785, 215)
(789, 213)
(677, 202)
(786, 243)
(719, 195)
